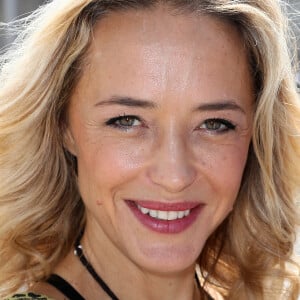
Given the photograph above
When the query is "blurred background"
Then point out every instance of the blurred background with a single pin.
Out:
(12, 9)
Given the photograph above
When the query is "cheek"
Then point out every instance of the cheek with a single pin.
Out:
(224, 167)
(229, 166)
(223, 162)
(229, 170)
(103, 167)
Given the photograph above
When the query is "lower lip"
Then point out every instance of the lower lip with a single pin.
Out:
(165, 226)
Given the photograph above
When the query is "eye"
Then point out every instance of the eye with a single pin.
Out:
(217, 125)
(124, 122)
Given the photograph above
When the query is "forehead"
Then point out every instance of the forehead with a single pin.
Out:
(162, 26)
(148, 50)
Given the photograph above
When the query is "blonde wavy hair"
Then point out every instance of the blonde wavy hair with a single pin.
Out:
(41, 212)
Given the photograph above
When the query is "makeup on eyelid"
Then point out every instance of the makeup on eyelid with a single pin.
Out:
(212, 122)
(217, 125)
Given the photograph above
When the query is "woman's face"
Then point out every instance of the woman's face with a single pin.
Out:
(160, 123)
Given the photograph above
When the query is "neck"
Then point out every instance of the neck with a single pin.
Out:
(122, 273)
(125, 278)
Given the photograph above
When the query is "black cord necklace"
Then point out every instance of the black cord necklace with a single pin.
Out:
(78, 252)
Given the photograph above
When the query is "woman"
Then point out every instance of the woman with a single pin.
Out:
(149, 150)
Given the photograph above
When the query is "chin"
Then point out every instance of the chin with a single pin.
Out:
(167, 259)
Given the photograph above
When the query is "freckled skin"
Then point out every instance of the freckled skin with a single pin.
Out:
(177, 62)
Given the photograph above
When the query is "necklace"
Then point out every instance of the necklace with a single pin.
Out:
(78, 251)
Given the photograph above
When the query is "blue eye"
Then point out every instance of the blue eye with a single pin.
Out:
(124, 122)
(217, 125)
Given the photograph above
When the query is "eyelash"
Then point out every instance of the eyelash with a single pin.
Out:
(115, 122)
(227, 125)
(223, 124)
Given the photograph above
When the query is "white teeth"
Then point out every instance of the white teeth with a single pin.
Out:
(180, 214)
(164, 215)
(172, 215)
(144, 210)
(153, 213)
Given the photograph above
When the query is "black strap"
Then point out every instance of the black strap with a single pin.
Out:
(67, 289)
(91, 270)
(79, 253)
(64, 287)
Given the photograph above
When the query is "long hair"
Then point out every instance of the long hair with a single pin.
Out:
(41, 211)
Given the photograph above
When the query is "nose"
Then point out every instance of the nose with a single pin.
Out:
(172, 167)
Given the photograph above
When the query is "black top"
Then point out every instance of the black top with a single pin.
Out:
(64, 287)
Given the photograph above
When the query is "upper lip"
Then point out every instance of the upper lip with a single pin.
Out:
(167, 206)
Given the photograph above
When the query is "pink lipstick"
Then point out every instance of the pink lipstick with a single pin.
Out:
(165, 217)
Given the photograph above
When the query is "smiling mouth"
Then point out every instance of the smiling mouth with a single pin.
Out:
(167, 218)
(164, 215)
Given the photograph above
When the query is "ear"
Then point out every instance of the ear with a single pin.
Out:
(69, 142)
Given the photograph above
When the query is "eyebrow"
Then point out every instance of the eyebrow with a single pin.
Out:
(141, 103)
(220, 106)
(127, 101)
